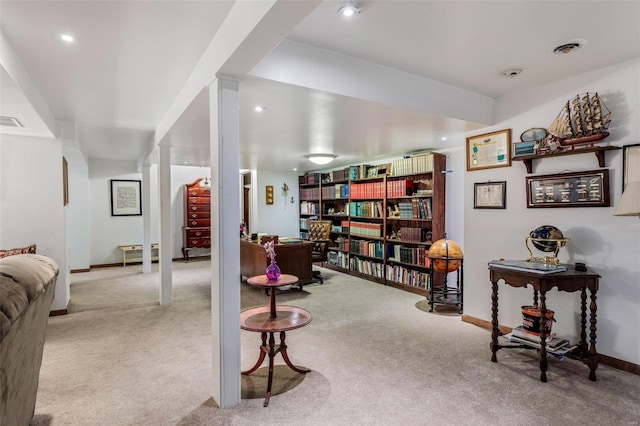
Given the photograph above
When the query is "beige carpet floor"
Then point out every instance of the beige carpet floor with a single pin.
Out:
(377, 358)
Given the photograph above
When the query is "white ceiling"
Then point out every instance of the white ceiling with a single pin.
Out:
(132, 58)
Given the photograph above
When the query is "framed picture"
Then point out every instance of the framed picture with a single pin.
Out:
(372, 172)
(268, 194)
(489, 150)
(490, 195)
(576, 189)
(126, 198)
(65, 182)
(630, 164)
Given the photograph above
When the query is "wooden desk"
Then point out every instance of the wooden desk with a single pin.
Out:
(294, 259)
(273, 319)
(570, 281)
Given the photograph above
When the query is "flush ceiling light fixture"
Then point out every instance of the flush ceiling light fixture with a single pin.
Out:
(67, 38)
(348, 11)
(321, 158)
(260, 108)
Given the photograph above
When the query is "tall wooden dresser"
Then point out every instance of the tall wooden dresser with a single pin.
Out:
(196, 232)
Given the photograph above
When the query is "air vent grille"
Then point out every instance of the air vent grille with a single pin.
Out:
(10, 121)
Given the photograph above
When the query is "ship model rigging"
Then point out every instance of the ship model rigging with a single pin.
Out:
(583, 120)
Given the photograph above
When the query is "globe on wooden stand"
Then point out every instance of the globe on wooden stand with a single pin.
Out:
(547, 239)
(445, 256)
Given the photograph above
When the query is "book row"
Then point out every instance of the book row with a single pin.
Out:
(367, 248)
(413, 165)
(366, 229)
(408, 277)
(367, 267)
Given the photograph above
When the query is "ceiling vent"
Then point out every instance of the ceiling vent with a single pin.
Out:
(10, 121)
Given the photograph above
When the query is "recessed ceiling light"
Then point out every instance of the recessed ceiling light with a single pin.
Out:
(569, 46)
(444, 138)
(348, 11)
(295, 170)
(67, 38)
(513, 73)
(185, 162)
(260, 108)
(321, 158)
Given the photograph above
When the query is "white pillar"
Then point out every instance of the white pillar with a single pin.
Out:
(225, 242)
(164, 188)
(146, 218)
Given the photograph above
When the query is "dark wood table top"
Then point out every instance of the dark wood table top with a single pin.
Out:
(569, 280)
(262, 281)
(288, 318)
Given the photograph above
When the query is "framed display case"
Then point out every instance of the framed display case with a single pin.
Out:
(576, 189)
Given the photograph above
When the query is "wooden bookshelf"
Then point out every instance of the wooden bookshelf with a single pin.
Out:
(403, 183)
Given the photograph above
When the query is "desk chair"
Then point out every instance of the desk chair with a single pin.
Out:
(319, 233)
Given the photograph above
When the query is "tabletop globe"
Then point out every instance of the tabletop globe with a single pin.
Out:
(445, 255)
(546, 232)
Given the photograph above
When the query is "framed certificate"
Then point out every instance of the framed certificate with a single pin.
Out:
(490, 195)
(489, 150)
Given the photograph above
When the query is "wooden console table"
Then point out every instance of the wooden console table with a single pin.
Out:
(129, 248)
(570, 281)
(273, 319)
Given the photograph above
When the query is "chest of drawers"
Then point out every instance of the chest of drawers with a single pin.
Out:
(196, 231)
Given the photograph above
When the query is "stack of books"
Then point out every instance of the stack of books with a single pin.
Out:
(554, 344)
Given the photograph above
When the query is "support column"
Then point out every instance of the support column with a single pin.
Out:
(146, 218)
(225, 244)
(164, 188)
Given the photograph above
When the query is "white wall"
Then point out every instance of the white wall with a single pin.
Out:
(108, 232)
(608, 244)
(280, 218)
(31, 202)
(77, 232)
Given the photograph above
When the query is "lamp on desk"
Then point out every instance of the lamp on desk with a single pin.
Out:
(629, 203)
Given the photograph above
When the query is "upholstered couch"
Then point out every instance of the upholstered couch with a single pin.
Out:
(27, 287)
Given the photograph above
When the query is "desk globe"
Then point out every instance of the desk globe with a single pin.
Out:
(547, 239)
(445, 255)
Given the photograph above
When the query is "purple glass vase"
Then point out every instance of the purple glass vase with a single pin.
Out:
(273, 272)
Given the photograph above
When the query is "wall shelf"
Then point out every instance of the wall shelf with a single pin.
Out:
(597, 150)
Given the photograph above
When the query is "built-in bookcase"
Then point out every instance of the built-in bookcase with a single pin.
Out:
(384, 217)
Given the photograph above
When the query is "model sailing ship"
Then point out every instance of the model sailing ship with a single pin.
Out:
(584, 119)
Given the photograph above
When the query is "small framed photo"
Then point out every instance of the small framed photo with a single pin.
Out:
(490, 195)
(372, 172)
(126, 198)
(630, 164)
(489, 150)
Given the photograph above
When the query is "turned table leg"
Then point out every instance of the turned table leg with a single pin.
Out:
(543, 336)
(592, 360)
(263, 352)
(285, 356)
(494, 321)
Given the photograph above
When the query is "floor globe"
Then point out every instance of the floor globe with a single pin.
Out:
(546, 232)
(445, 255)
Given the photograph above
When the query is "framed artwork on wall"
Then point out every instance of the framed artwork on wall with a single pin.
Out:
(630, 164)
(126, 197)
(489, 150)
(490, 195)
(269, 194)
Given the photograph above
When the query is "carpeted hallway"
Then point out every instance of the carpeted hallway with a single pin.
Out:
(377, 359)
